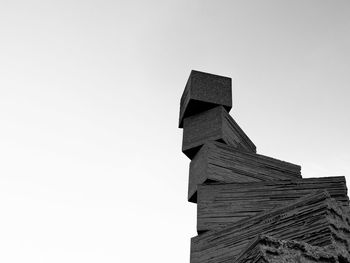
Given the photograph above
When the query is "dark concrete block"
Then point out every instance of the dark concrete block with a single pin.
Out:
(204, 91)
(219, 205)
(315, 219)
(217, 162)
(216, 125)
(266, 249)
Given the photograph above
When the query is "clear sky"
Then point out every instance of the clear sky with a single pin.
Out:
(91, 168)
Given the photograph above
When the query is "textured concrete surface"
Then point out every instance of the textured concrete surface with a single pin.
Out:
(271, 250)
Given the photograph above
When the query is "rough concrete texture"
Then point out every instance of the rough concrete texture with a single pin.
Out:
(271, 250)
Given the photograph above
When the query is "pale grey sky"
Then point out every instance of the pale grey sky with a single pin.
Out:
(91, 168)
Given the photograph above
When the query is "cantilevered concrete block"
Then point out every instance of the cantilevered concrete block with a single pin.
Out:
(219, 205)
(266, 249)
(213, 125)
(204, 91)
(315, 219)
(218, 162)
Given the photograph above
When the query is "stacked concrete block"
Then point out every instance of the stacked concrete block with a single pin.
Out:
(242, 195)
(219, 162)
(204, 91)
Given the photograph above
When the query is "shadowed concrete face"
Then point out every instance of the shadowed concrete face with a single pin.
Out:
(215, 124)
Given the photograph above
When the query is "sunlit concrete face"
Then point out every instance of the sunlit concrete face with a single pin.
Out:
(91, 168)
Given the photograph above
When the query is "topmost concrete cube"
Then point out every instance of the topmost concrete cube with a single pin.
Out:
(204, 91)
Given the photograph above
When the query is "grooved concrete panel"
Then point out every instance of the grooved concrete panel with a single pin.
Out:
(316, 219)
(219, 205)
